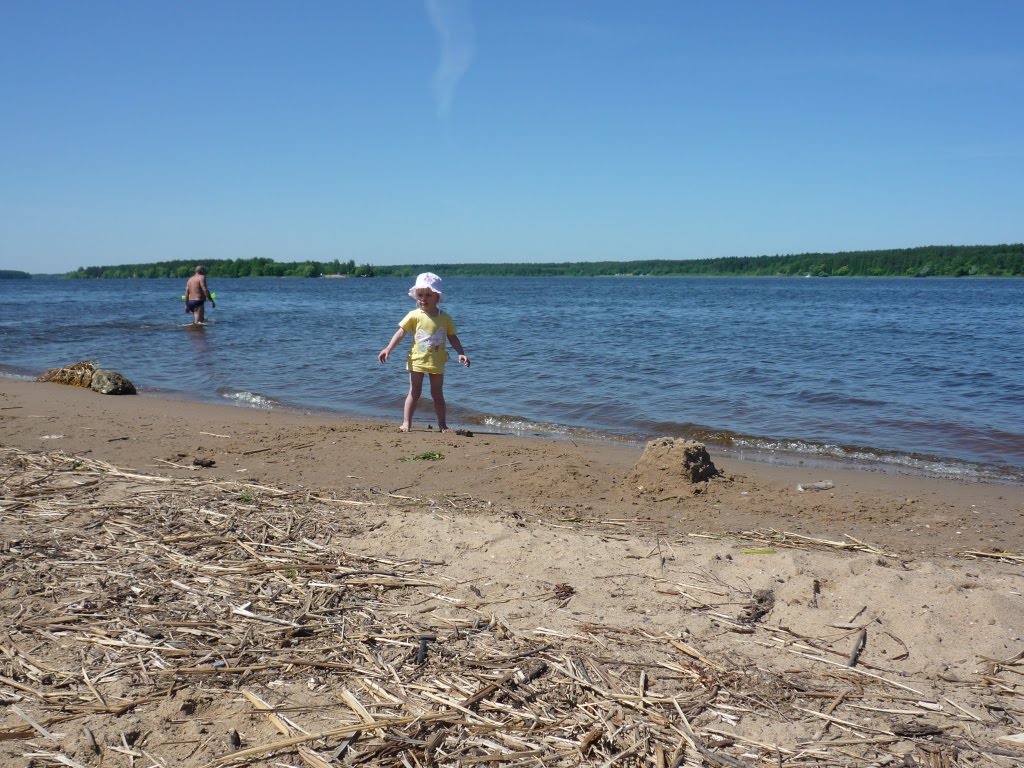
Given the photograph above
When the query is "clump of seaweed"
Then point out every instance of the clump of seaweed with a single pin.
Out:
(77, 374)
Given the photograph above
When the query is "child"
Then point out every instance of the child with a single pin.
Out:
(430, 326)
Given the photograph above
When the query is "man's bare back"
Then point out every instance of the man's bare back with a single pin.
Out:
(195, 288)
(196, 295)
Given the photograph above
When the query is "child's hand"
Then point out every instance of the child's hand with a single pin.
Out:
(464, 359)
(383, 355)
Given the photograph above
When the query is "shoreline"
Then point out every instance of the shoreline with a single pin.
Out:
(551, 476)
(865, 459)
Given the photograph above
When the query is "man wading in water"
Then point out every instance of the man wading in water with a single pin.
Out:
(196, 294)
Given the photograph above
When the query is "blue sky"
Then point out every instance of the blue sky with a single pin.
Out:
(535, 130)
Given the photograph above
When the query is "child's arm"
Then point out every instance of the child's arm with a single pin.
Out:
(395, 341)
(457, 346)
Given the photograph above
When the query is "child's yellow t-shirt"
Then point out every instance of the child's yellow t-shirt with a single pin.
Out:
(428, 352)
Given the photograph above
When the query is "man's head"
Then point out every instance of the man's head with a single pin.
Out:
(200, 270)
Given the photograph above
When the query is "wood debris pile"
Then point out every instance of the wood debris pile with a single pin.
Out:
(76, 375)
(152, 621)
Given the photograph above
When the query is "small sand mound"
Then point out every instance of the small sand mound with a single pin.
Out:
(670, 465)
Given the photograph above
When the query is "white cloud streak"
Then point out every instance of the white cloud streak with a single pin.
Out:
(454, 24)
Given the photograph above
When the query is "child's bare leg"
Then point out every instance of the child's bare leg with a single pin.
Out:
(411, 399)
(437, 395)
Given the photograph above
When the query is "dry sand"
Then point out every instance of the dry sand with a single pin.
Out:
(708, 623)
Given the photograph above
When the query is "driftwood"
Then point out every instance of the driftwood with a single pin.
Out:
(232, 616)
(76, 375)
(85, 373)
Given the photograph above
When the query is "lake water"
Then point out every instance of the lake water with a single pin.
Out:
(914, 375)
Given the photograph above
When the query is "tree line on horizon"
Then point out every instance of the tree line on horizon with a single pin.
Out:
(255, 267)
(1005, 260)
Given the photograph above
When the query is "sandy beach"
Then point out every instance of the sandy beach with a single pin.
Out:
(585, 604)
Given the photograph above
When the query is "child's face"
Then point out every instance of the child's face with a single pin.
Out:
(426, 299)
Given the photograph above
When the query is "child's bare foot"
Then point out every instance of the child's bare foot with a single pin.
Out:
(404, 428)
(443, 428)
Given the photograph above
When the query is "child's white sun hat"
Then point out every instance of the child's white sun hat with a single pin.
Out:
(427, 280)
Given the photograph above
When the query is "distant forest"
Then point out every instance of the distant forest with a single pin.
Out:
(13, 274)
(927, 261)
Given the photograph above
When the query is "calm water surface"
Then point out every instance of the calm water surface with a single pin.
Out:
(912, 375)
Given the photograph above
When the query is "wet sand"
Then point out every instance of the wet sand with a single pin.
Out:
(545, 477)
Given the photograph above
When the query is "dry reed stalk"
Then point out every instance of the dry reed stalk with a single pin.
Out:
(191, 622)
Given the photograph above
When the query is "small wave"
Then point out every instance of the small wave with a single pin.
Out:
(521, 426)
(790, 451)
(518, 426)
(836, 398)
(893, 461)
(250, 399)
(20, 374)
(775, 450)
